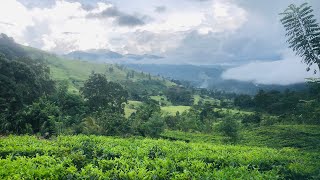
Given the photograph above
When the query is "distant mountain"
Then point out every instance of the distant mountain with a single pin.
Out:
(209, 77)
(94, 55)
(103, 55)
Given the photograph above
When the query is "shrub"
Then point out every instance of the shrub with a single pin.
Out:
(113, 123)
(154, 126)
(252, 118)
(229, 127)
(40, 117)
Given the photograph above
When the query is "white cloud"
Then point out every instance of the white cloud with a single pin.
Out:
(224, 16)
(63, 26)
(15, 18)
(289, 70)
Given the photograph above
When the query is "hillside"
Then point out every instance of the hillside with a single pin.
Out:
(77, 71)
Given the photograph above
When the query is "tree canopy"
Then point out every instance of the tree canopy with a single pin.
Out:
(100, 93)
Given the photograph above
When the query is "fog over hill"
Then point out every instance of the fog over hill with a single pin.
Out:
(211, 77)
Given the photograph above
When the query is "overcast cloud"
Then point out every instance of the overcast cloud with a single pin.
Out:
(243, 33)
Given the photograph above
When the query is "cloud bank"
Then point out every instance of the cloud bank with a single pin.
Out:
(284, 72)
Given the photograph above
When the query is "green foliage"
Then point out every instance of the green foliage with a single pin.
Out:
(21, 83)
(102, 94)
(197, 118)
(302, 137)
(89, 126)
(97, 157)
(179, 96)
(289, 106)
(244, 101)
(252, 118)
(41, 117)
(303, 32)
(70, 103)
(112, 123)
(141, 90)
(230, 128)
(305, 138)
(154, 126)
(147, 120)
(61, 112)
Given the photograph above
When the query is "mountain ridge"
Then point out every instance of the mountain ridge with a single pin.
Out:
(105, 55)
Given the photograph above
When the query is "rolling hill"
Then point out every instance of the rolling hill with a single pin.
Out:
(77, 71)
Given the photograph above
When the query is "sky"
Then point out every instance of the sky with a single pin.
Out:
(243, 34)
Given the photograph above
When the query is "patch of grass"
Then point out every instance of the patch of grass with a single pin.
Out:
(232, 111)
(163, 100)
(131, 107)
(172, 110)
(197, 98)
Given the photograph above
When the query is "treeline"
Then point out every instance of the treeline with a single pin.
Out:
(289, 106)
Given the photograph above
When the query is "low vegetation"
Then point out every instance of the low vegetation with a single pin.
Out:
(97, 157)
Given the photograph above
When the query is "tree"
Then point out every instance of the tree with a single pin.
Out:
(112, 124)
(71, 105)
(230, 128)
(102, 94)
(303, 32)
(154, 126)
(179, 96)
(148, 121)
(40, 117)
(22, 81)
(244, 101)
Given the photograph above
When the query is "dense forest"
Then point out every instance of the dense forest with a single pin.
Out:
(107, 121)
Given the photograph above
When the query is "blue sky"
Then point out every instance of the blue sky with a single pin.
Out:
(241, 33)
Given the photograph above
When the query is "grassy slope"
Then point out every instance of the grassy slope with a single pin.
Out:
(76, 71)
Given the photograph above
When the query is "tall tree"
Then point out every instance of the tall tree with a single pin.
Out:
(102, 94)
(303, 33)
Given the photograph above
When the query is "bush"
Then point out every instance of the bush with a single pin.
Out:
(40, 117)
(252, 118)
(90, 126)
(112, 123)
(229, 127)
(269, 120)
(154, 126)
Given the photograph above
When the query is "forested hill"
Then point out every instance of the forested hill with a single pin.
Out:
(77, 71)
